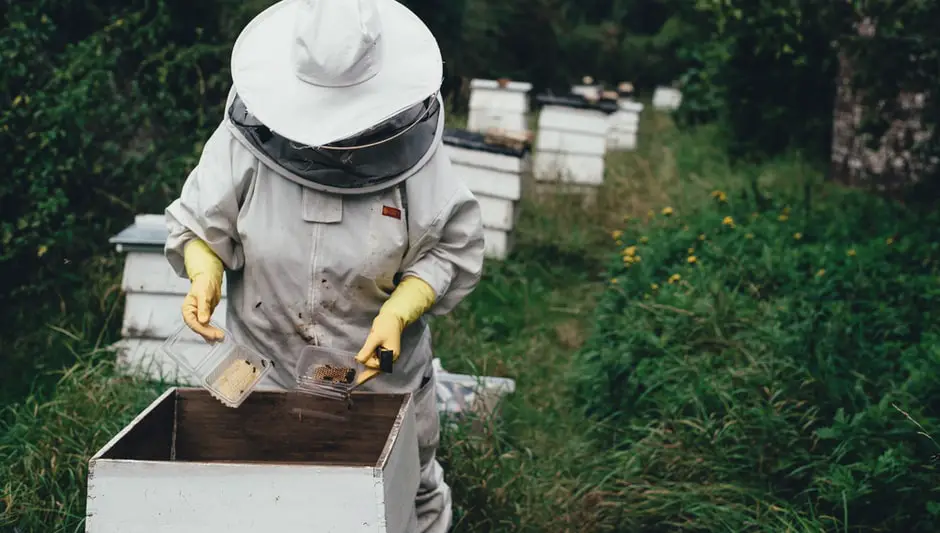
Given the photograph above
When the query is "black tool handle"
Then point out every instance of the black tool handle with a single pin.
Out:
(386, 360)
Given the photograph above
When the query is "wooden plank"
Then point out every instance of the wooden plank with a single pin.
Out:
(174, 497)
(264, 428)
(576, 169)
(157, 316)
(485, 160)
(487, 182)
(497, 213)
(573, 120)
(497, 243)
(571, 143)
(151, 272)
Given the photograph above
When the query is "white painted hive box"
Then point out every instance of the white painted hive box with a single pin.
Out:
(493, 106)
(572, 140)
(667, 98)
(188, 464)
(153, 298)
(624, 125)
(494, 175)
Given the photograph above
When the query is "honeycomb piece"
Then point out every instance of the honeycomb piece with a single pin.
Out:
(235, 379)
(335, 374)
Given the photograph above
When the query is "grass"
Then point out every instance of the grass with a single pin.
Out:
(541, 466)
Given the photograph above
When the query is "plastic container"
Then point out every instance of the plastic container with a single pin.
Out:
(320, 359)
(229, 370)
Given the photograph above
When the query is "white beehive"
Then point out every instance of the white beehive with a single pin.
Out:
(587, 91)
(572, 140)
(498, 104)
(153, 300)
(667, 98)
(280, 462)
(624, 125)
(494, 175)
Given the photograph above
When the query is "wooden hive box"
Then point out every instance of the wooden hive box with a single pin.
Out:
(188, 464)
(498, 104)
(153, 299)
(624, 125)
(667, 98)
(494, 175)
(572, 140)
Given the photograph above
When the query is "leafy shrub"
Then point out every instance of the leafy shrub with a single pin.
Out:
(753, 365)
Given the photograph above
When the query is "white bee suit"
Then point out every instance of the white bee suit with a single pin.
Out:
(310, 267)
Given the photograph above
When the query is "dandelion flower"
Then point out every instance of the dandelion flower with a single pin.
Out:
(42, 251)
(616, 234)
(722, 197)
(629, 250)
(783, 218)
(821, 273)
(889, 241)
(614, 281)
(644, 240)
(667, 211)
(749, 236)
(637, 259)
(674, 278)
(716, 194)
(701, 237)
(692, 259)
(728, 221)
(654, 286)
(851, 252)
(798, 235)
(628, 259)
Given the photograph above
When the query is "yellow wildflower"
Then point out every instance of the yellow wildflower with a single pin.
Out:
(728, 221)
(42, 251)
(637, 259)
(691, 251)
(674, 278)
(798, 235)
(889, 241)
(783, 218)
(692, 259)
(616, 234)
(701, 237)
(749, 236)
(629, 250)
(667, 211)
(654, 286)
(851, 252)
(628, 259)
(619, 242)
(614, 281)
(650, 214)
(821, 273)
(17, 100)
(715, 194)
(644, 240)
(722, 198)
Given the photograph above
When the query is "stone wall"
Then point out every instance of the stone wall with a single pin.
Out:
(892, 164)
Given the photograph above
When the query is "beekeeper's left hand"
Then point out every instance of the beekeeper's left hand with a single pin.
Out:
(411, 299)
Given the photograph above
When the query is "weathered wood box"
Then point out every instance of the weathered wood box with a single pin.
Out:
(571, 142)
(494, 174)
(153, 300)
(667, 98)
(624, 125)
(498, 104)
(188, 464)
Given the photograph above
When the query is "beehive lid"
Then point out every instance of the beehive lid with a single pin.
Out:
(148, 233)
(577, 102)
(513, 86)
(477, 141)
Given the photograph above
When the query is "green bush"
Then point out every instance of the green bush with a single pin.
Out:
(45, 448)
(752, 366)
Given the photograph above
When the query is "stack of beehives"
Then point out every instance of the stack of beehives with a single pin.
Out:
(625, 123)
(501, 104)
(492, 164)
(571, 144)
(667, 98)
(153, 298)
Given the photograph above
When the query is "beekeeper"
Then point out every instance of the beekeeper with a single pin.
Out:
(325, 196)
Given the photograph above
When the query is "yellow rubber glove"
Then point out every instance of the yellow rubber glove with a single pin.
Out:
(204, 269)
(411, 299)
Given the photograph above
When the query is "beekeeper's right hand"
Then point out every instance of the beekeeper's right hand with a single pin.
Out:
(205, 270)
